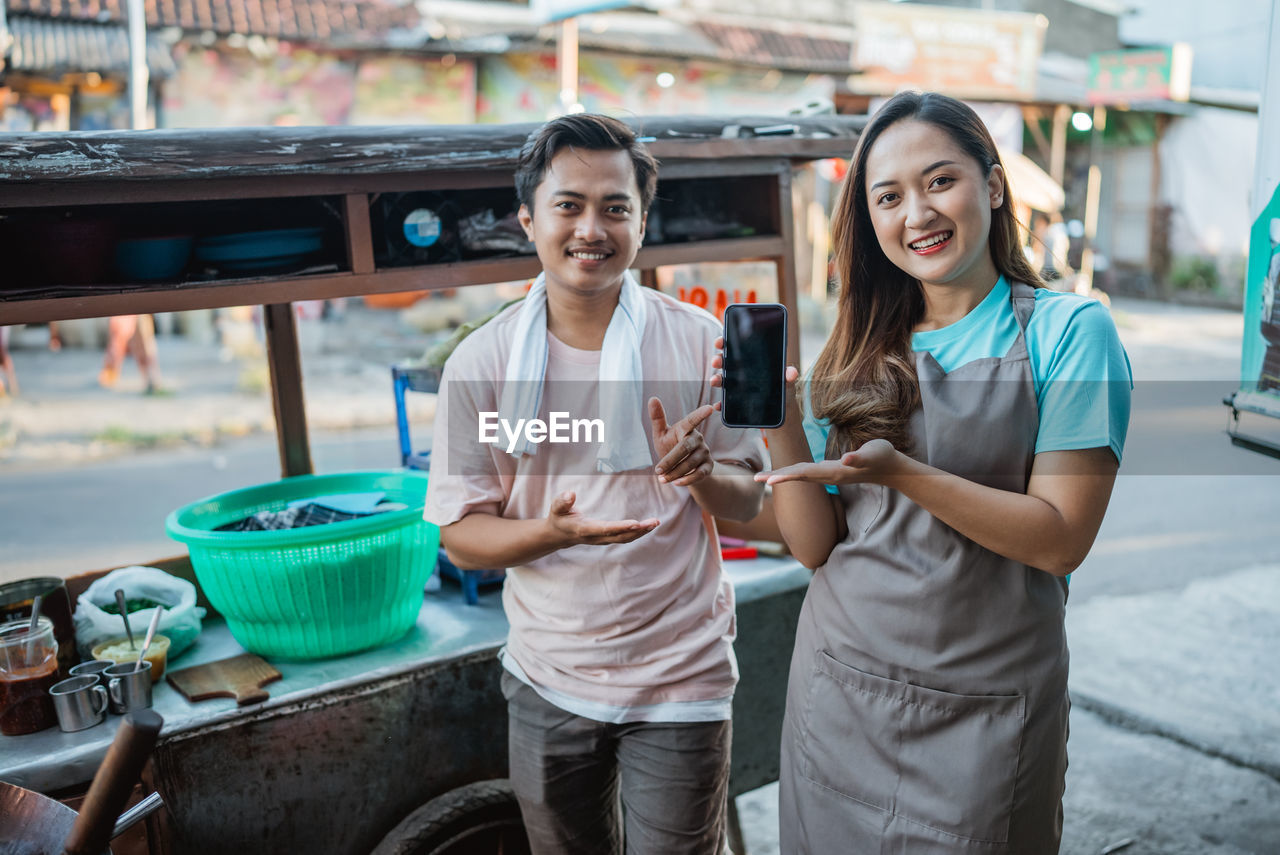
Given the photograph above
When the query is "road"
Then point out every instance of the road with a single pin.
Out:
(103, 514)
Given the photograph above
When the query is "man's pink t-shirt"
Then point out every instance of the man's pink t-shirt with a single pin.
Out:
(646, 622)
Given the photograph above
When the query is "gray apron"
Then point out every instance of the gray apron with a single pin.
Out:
(927, 703)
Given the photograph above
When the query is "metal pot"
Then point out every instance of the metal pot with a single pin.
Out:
(33, 824)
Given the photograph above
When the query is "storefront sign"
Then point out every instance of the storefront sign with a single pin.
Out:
(966, 53)
(304, 87)
(523, 88)
(1143, 74)
(394, 90)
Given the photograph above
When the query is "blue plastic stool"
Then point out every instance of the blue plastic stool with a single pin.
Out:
(470, 580)
(403, 379)
(408, 378)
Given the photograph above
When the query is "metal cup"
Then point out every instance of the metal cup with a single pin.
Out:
(92, 668)
(128, 686)
(80, 702)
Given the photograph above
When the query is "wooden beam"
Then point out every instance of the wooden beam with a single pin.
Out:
(44, 193)
(286, 387)
(311, 154)
(355, 211)
(103, 300)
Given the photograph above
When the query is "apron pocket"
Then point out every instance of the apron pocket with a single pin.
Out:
(937, 759)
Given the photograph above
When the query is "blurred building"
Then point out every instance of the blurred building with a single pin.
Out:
(322, 62)
(1175, 167)
(1023, 64)
(63, 73)
(1208, 146)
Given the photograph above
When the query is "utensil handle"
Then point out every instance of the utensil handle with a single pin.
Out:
(35, 625)
(36, 604)
(151, 633)
(112, 784)
(136, 814)
(124, 614)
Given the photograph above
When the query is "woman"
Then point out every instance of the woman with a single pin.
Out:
(972, 424)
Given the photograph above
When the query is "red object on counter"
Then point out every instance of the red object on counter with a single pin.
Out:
(731, 553)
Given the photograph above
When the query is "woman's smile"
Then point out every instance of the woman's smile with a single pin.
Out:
(931, 243)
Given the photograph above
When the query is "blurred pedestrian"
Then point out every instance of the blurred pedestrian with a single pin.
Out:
(135, 334)
(6, 365)
(1049, 246)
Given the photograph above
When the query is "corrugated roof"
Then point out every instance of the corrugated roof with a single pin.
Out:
(779, 47)
(46, 45)
(754, 42)
(346, 22)
(485, 28)
(639, 33)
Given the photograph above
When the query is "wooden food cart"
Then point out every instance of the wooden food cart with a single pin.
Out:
(346, 749)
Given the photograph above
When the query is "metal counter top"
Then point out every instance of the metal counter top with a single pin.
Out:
(446, 629)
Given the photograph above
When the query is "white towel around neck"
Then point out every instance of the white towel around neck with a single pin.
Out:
(621, 389)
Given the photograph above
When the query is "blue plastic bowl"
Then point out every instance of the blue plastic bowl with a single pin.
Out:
(154, 258)
(264, 249)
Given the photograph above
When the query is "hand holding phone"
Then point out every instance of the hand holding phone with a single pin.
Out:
(755, 364)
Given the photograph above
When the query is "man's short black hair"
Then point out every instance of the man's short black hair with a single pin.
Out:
(589, 131)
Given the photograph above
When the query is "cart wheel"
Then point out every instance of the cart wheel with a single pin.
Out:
(477, 819)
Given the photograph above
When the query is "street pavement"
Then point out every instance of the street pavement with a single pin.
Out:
(1173, 621)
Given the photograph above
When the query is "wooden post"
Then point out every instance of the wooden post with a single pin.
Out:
(139, 73)
(1084, 282)
(286, 389)
(1157, 222)
(820, 236)
(1058, 146)
(786, 265)
(355, 210)
(567, 64)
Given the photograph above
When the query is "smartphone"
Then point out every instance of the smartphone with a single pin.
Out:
(755, 364)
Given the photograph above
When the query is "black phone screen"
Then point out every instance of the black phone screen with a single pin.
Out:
(755, 361)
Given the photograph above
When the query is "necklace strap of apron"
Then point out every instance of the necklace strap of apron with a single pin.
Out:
(1023, 297)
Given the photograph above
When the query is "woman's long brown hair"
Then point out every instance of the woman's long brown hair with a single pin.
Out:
(864, 381)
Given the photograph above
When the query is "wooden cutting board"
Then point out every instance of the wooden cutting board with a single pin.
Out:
(241, 677)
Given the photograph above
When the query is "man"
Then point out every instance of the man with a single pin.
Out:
(619, 669)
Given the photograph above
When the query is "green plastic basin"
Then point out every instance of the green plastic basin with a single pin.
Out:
(317, 591)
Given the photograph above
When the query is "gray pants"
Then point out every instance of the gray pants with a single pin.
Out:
(576, 780)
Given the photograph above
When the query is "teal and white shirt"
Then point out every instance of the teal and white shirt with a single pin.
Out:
(1081, 373)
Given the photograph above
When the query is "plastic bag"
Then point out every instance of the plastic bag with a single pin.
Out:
(180, 621)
